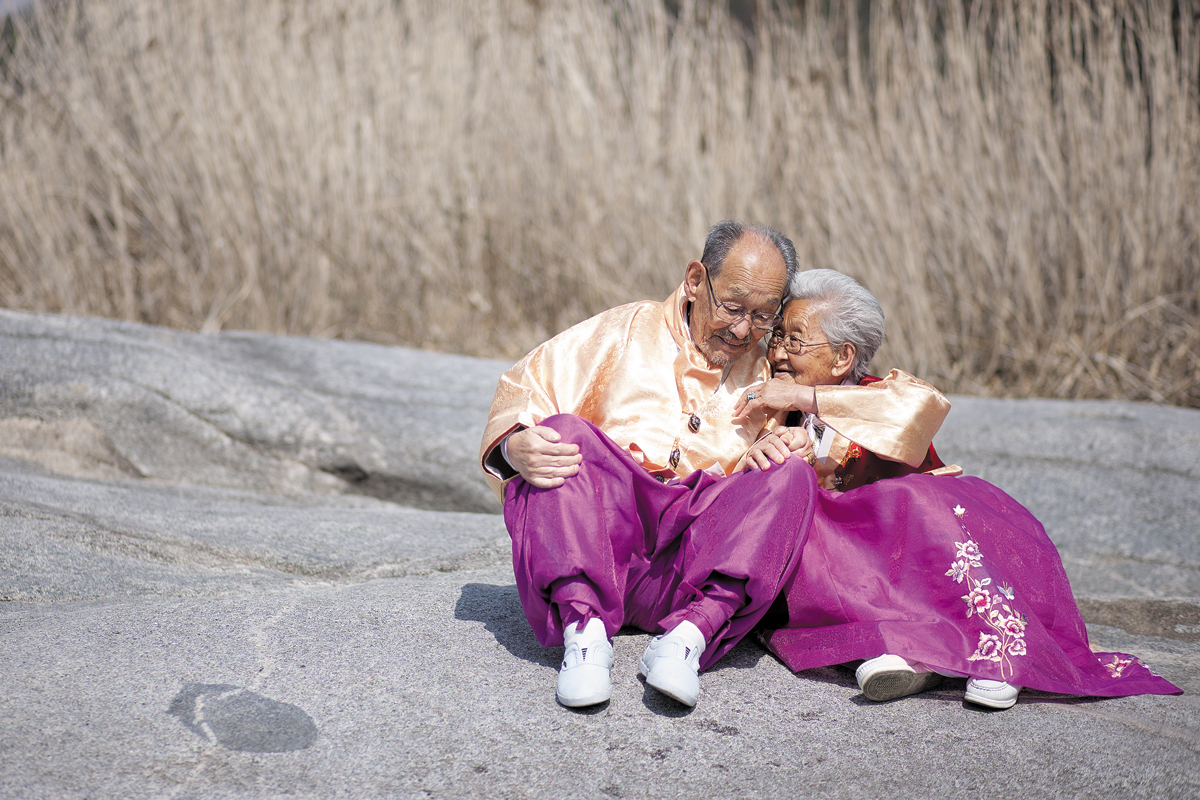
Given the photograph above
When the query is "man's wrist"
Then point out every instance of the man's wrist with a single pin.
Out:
(497, 462)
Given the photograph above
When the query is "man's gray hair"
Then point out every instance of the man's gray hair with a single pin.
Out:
(727, 233)
(845, 312)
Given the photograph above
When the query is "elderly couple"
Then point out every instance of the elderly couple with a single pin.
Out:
(660, 470)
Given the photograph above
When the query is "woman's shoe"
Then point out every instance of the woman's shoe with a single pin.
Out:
(888, 677)
(993, 694)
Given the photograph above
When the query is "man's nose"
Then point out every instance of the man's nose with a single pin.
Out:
(741, 328)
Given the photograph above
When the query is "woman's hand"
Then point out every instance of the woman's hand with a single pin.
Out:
(777, 446)
(778, 393)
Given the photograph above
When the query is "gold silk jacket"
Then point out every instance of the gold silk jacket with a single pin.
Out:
(894, 419)
(635, 373)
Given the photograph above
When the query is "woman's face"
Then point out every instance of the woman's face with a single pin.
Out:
(812, 366)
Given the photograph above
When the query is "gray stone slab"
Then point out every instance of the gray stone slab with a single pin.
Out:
(420, 687)
(247, 410)
(248, 566)
(70, 539)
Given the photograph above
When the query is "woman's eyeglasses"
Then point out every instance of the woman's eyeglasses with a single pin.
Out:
(792, 343)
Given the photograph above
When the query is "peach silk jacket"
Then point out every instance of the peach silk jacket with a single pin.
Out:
(635, 373)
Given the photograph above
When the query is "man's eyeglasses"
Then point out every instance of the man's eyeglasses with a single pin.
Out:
(732, 314)
(792, 343)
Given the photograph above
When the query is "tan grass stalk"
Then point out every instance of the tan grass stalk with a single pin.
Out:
(1018, 182)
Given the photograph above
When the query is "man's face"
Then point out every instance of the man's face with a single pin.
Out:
(753, 278)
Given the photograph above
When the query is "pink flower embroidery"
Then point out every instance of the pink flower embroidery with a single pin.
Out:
(978, 601)
(970, 551)
(1016, 647)
(1118, 666)
(958, 570)
(988, 649)
(1011, 624)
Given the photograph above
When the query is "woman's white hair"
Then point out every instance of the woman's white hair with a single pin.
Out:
(845, 312)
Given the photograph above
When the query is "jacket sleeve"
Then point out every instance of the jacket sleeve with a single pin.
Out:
(557, 377)
(895, 418)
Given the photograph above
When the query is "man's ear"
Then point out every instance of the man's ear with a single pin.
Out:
(692, 280)
(845, 360)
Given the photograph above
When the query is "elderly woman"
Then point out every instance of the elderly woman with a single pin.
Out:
(909, 566)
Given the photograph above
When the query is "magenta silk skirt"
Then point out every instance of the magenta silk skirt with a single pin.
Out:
(950, 572)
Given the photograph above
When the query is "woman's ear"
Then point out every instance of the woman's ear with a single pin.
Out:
(844, 360)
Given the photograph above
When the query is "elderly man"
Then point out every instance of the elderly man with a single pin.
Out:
(609, 445)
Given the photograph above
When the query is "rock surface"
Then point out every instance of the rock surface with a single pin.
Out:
(240, 565)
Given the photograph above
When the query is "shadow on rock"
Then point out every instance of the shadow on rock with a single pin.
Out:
(837, 675)
(405, 491)
(745, 655)
(242, 720)
(660, 704)
(499, 609)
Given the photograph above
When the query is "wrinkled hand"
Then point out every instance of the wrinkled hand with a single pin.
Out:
(542, 458)
(778, 446)
(780, 393)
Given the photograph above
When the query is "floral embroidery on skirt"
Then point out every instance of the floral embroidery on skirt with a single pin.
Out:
(1007, 638)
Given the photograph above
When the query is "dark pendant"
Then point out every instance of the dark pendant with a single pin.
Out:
(694, 424)
(674, 462)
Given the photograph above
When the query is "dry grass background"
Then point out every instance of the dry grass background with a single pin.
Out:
(1019, 182)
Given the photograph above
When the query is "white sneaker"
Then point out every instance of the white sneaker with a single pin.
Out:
(888, 677)
(584, 679)
(993, 694)
(671, 663)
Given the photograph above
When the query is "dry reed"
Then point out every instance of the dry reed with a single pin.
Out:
(1018, 182)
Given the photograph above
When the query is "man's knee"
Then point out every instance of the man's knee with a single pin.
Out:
(793, 475)
(572, 428)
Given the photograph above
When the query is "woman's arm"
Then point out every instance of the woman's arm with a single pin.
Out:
(780, 393)
(895, 418)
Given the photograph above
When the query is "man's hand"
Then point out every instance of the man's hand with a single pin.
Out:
(778, 446)
(541, 458)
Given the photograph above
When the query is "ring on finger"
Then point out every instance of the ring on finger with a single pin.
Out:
(749, 395)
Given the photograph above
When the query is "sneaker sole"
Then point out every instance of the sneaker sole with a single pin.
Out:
(891, 685)
(580, 702)
(981, 700)
(663, 684)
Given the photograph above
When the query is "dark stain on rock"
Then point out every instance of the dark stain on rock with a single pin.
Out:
(1170, 619)
(242, 720)
(716, 727)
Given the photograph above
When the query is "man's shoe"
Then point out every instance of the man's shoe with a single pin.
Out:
(671, 663)
(584, 679)
(993, 694)
(889, 677)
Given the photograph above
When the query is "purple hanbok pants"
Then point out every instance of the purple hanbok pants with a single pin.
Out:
(615, 543)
